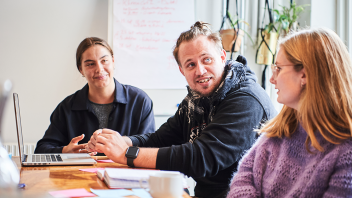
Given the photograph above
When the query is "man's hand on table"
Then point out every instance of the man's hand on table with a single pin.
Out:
(114, 146)
(111, 143)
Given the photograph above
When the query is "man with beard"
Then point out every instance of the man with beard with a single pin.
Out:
(213, 125)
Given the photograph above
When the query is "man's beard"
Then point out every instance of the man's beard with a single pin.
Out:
(212, 92)
(198, 94)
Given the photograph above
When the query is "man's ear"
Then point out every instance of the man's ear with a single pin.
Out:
(181, 70)
(223, 56)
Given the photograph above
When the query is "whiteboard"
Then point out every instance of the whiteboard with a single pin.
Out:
(144, 35)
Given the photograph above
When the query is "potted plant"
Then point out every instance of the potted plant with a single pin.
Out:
(281, 22)
(229, 36)
(286, 19)
(232, 38)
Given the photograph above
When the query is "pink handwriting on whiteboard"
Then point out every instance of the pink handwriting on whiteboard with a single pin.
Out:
(146, 2)
(145, 33)
(150, 39)
(158, 8)
(137, 2)
(128, 21)
(146, 48)
(139, 23)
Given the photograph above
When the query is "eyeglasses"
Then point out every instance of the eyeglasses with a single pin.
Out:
(276, 69)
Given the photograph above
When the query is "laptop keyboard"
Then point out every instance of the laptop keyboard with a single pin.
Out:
(46, 158)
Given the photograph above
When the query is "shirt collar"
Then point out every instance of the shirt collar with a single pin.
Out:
(81, 100)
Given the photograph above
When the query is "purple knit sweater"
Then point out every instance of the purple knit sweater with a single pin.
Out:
(276, 167)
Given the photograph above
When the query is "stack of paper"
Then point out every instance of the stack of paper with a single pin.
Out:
(128, 178)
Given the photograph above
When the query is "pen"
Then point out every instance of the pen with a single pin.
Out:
(21, 185)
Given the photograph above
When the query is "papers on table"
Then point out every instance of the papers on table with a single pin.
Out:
(120, 193)
(91, 170)
(112, 193)
(116, 178)
(128, 178)
(105, 161)
(141, 193)
(80, 192)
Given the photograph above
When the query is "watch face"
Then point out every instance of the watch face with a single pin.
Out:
(132, 152)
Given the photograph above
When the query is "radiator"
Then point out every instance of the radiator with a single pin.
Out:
(12, 148)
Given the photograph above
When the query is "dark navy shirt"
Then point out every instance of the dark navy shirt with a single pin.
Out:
(132, 114)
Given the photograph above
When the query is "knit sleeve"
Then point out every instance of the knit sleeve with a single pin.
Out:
(243, 184)
(340, 184)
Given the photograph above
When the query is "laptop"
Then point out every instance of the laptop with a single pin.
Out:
(48, 159)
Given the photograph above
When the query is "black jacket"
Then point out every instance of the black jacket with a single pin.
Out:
(132, 114)
(207, 136)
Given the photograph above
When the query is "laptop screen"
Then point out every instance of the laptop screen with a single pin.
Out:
(18, 125)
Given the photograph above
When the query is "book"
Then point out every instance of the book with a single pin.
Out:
(128, 178)
(100, 174)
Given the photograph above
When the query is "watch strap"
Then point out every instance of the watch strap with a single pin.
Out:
(130, 162)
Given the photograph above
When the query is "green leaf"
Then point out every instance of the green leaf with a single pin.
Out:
(285, 17)
(276, 17)
(285, 25)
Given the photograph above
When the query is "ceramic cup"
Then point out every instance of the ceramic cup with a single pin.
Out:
(166, 185)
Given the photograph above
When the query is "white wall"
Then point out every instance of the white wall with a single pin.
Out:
(38, 41)
(323, 13)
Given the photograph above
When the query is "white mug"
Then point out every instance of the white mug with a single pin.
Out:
(166, 185)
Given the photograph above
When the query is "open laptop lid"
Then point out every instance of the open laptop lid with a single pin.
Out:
(67, 159)
(18, 126)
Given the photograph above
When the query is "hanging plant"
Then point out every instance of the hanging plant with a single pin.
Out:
(232, 38)
(267, 41)
(281, 22)
(229, 35)
(286, 19)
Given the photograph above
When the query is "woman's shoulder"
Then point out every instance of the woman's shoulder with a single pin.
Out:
(135, 92)
(347, 144)
(345, 150)
(274, 145)
(79, 97)
(264, 142)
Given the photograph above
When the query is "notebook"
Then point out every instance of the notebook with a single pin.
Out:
(49, 158)
(129, 178)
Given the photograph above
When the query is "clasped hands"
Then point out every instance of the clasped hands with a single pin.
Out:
(109, 142)
(106, 141)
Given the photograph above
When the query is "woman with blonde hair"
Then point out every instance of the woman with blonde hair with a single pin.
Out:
(306, 150)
